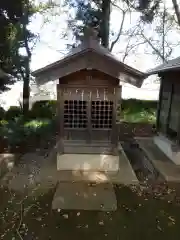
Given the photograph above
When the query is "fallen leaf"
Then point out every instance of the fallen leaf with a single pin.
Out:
(39, 219)
(65, 216)
(101, 223)
(159, 228)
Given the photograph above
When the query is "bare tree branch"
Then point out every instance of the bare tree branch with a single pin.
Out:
(152, 46)
(20, 222)
(130, 48)
(115, 5)
(120, 31)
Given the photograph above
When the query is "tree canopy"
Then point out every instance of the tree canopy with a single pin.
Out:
(11, 40)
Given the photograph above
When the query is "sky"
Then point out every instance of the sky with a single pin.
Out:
(52, 46)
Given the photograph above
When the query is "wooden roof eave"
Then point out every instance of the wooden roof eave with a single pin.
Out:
(129, 74)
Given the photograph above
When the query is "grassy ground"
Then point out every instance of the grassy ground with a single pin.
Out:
(139, 216)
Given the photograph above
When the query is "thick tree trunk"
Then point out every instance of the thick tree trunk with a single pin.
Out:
(26, 92)
(177, 11)
(26, 80)
(106, 10)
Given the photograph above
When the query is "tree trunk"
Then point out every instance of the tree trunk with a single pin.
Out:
(163, 32)
(26, 92)
(106, 10)
(26, 79)
(177, 11)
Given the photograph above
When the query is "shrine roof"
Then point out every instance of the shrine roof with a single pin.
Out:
(90, 43)
(171, 65)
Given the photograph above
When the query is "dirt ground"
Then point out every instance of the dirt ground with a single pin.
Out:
(26, 209)
(138, 216)
(26, 195)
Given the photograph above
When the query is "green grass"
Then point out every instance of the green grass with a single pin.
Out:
(139, 216)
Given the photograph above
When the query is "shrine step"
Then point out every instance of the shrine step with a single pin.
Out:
(84, 196)
(90, 149)
(85, 149)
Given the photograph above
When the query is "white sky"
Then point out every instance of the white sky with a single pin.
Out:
(51, 47)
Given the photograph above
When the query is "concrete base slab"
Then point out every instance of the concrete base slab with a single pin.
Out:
(87, 162)
(119, 172)
(83, 196)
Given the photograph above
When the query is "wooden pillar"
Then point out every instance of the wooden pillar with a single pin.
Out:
(169, 107)
(60, 118)
(89, 124)
(159, 104)
(115, 131)
(178, 131)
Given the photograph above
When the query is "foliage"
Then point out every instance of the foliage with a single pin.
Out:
(137, 104)
(135, 110)
(12, 20)
(143, 116)
(10, 13)
(13, 112)
(3, 122)
(151, 8)
(2, 112)
(97, 14)
(148, 8)
(86, 15)
(93, 14)
(17, 41)
(37, 127)
(19, 133)
(43, 109)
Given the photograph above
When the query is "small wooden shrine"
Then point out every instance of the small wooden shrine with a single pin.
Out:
(168, 112)
(88, 94)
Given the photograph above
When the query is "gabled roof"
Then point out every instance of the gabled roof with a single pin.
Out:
(91, 44)
(172, 65)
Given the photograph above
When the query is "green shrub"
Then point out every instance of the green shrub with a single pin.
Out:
(137, 105)
(43, 109)
(140, 117)
(37, 127)
(13, 112)
(3, 122)
(135, 110)
(2, 113)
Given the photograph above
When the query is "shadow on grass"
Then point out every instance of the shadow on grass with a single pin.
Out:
(140, 215)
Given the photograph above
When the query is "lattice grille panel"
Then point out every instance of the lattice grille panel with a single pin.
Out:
(75, 114)
(101, 114)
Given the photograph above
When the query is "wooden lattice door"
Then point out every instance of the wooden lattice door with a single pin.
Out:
(88, 114)
(75, 114)
(102, 117)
